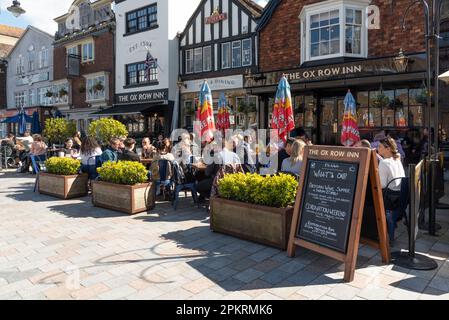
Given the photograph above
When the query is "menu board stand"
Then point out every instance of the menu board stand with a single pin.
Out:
(328, 211)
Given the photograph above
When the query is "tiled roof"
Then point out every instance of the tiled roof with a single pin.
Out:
(253, 7)
(4, 50)
(10, 31)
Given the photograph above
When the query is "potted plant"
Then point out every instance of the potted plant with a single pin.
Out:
(98, 86)
(62, 92)
(254, 207)
(380, 101)
(58, 129)
(49, 94)
(123, 186)
(62, 179)
(107, 128)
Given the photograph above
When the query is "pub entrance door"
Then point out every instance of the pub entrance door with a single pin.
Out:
(330, 120)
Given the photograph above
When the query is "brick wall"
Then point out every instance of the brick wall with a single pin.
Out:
(104, 61)
(280, 38)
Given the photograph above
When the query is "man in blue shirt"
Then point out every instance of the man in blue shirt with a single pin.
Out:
(111, 153)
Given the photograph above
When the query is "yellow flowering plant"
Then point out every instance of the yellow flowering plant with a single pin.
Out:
(123, 172)
(273, 191)
(62, 166)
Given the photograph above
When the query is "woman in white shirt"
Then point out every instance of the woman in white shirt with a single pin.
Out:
(293, 163)
(89, 150)
(390, 167)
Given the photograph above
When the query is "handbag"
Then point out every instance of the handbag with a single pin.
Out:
(391, 199)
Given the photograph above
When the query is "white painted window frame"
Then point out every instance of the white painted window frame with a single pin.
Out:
(325, 6)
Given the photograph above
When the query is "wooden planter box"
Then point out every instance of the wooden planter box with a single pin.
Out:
(64, 187)
(266, 225)
(118, 197)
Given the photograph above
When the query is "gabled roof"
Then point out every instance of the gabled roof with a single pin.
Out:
(270, 8)
(30, 28)
(10, 31)
(252, 8)
(4, 50)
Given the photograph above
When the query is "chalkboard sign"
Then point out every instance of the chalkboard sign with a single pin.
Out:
(327, 203)
(330, 203)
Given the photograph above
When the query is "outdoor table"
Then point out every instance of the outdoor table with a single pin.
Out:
(54, 152)
(146, 161)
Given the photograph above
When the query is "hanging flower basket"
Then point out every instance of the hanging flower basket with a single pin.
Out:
(98, 87)
(62, 92)
(82, 89)
(381, 101)
(49, 94)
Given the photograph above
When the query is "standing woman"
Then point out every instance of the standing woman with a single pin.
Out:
(89, 150)
(390, 167)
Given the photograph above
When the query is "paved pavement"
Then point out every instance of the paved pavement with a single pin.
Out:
(53, 249)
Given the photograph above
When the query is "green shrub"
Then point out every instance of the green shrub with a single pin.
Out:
(123, 172)
(57, 130)
(273, 191)
(62, 166)
(107, 128)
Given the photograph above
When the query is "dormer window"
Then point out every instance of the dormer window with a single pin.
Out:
(333, 29)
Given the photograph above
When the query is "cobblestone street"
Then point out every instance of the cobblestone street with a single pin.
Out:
(46, 245)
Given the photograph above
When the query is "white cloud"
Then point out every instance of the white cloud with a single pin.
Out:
(262, 3)
(40, 13)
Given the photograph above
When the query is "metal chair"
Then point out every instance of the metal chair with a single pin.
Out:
(164, 180)
(38, 163)
(181, 183)
(6, 156)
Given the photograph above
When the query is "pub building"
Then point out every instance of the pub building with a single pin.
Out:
(219, 44)
(29, 75)
(327, 47)
(146, 64)
(83, 61)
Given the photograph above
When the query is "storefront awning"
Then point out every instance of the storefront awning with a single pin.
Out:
(126, 110)
(444, 77)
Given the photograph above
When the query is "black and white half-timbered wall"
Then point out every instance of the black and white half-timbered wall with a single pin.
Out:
(219, 44)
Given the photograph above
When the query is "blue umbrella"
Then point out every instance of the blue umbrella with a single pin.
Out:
(35, 124)
(23, 119)
(58, 114)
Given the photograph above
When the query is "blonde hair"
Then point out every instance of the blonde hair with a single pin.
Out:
(297, 151)
(391, 144)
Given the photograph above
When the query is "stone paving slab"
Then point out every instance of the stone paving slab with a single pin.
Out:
(68, 249)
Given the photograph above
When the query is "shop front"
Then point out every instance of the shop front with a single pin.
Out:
(145, 113)
(390, 94)
(243, 106)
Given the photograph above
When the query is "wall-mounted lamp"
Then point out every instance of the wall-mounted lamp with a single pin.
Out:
(16, 9)
(401, 61)
(254, 77)
(181, 83)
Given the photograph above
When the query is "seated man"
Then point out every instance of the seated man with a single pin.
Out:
(128, 153)
(111, 153)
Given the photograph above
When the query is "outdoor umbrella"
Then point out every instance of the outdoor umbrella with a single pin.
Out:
(223, 122)
(444, 77)
(35, 124)
(205, 113)
(283, 119)
(58, 114)
(21, 118)
(350, 131)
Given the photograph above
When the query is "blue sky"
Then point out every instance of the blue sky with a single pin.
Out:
(40, 13)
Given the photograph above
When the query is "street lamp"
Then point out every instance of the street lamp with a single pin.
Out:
(16, 9)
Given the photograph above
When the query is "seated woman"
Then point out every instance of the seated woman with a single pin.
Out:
(89, 150)
(293, 163)
(390, 168)
(163, 153)
(147, 149)
(69, 149)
